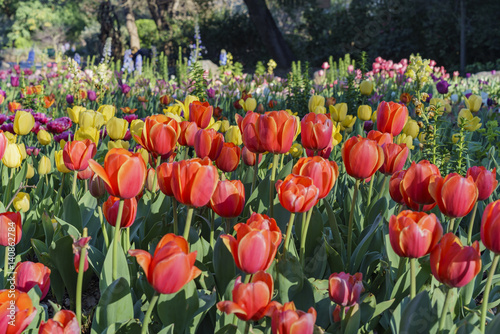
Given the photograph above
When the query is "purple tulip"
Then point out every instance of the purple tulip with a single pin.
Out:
(42, 118)
(14, 81)
(63, 136)
(35, 128)
(442, 87)
(3, 118)
(70, 99)
(2, 92)
(211, 93)
(130, 117)
(8, 127)
(59, 125)
(127, 136)
(125, 89)
(429, 98)
(91, 95)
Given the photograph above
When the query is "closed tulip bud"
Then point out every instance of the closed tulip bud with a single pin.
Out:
(110, 210)
(490, 227)
(316, 101)
(380, 137)
(249, 157)
(107, 111)
(406, 140)
(89, 133)
(12, 157)
(364, 112)
(224, 126)
(200, 113)
(208, 143)
(362, 157)
(316, 131)
(30, 172)
(22, 150)
(296, 150)
(44, 166)
(411, 128)
(136, 127)
(229, 158)
(159, 135)
(44, 138)
(28, 274)
(249, 104)
(287, 320)
(394, 158)
(455, 195)
(78, 246)
(474, 103)
(21, 202)
(485, 180)
(228, 199)
(454, 264)
(414, 234)
(150, 181)
(415, 183)
(90, 118)
(187, 134)
(394, 183)
(18, 305)
(76, 154)
(164, 175)
(171, 267)
(391, 117)
(96, 186)
(338, 112)
(233, 135)
(118, 144)
(345, 289)
(348, 123)
(468, 121)
(11, 229)
(63, 322)
(297, 193)
(23, 122)
(74, 113)
(366, 87)
(324, 173)
(58, 157)
(116, 128)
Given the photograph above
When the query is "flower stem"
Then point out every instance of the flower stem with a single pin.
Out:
(271, 185)
(103, 227)
(446, 306)
(147, 317)
(255, 172)
(59, 194)
(176, 219)
(212, 229)
(116, 238)
(413, 275)
(288, 232)
(382, 189)
(471, 225)
(450, 225)
(75, 178)
(351, 216)
(304, 236)
(79, 282)
(370, 189)
(486, 295)
(247, 327)
(188, 222)
(155, 178)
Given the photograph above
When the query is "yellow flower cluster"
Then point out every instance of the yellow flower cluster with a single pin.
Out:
(418, 69)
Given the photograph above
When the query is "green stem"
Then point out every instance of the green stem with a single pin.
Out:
(103, 227)
(281, 161)
(413, 275)
(370, 189)
(116, 239)
(288, 232)
(401, 266)
(446, 306)
(10, 184)
(304, 236)
(248, 278)
(342, 318)
(59, 194)
(155, 178)
(188, 222)
(450, 225)
(79, 282)
(255, 172)
(351, 216)
(212, 229)
(147, 317)
(247, 327)
(486, 295)
(271, 185)
(75, 178)
(382, 189)
(471, 225)
(6, 264)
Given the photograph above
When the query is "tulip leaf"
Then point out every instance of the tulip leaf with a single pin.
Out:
(61, 253)
(206, 301)
(362, 248)
(228, 329)
(106, 277)
(290, 279)
(259, 199)
(178, 308)
(71, 212)
(115, 306)
(87, 205)
(285, 170)
(48, 228)
(419, 315)
(493, 326)
(225, 269)
(338, 243)
(334, 259)
(68, 228)
(96, 259)
(167, 330)
(353, 319)
(129, 327)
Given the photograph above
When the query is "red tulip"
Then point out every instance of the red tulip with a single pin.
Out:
(28, 274)
(76, 154)
(414, 234)
(249, 133)
(110, 210)
(11, 229)
(159, 135)
(345, 289)
(362, 157)
(171, 267)
(415, 183)
(208, 143)
(17, 309)
(256, 243)
(97, 186)
(150, 180)
(316, 131)
(85, 174)
(13, 106)
(164, 175)
(200, 113)
(250, 118)
(297, 193)
(63, 322)
(380, 137)
(77, 251)
(287, 320)
(3, 143)
(485, 180)
(453, 264)
(124, 172)
(228, 199)
(324, 153)
(394, 158)
(188, 131)
(490, 227)
(324, 173)
(251, 301)
(455, 195)
(229, 157)
(391, 117)
(250, 157)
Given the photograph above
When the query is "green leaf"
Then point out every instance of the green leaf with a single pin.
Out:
(87, 205)
(61, 254)
(206, 301)
(419, 316)
(225, 269)
(178, 308)
(48, 228)
(362, 248)
(353, 319)
(68, 228)
(106, 277)
(290, 280)
(71, 212)
(96, 259)
(167, 330)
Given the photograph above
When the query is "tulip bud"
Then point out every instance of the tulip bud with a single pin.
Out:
(78, 246)
(44, 138)
(58, 157)
(316, 101)
(296, 150)
(29, 274)
(90, 133)
(345, 289)
(474, 103)
(116, 128)
(411, 128)
(44, 166)
(107, 111)
(96, 186)
(338, 112)
(30, 172)
(74, 113)
(233, 135)
(118, 144)
(364, 112)
(23, 122)
(150, 181)
(366, 87)
(21, 202)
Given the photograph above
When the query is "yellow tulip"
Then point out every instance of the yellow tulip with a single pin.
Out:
(249, 105)
(185, 106)
(22, 150)
(144, 155)
(87, 133)
(117, 128)
(233, 135)
(364, 112)
(136, 127)
(60, 162)
(336, 135)
(348, 122)
(474, 103)
(405, 139)
(366, 87)
(316, 101)
(44, 138)
(338, 112)
(91, 118)
(174, 116)
(469, 122)
(411, 128)
(23, 122)
(21, 202)
(214, 125)
(118, 144)
(44, 166)
(374, 116)
(224, 125)
(319, 110)
(62, 143)
(30, 172)
(296, 150)
(107, 111)
(74, 113)
(12, 138)
(174, 110)
(421, 137)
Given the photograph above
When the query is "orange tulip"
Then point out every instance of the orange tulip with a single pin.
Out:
(256, 243)
(78, 246)
(110, 210)
(485, 180)
(208, 143)
(11, 229)
(249, 134)
(194, 181)
(316, 131)
(287, 320)
(85, 174)
(276, 131)
(48, 101)
(362, 157)
(490, 227)
(250, 118)
(297, 193)
(394, 158)
(171, 267)
(228, 199)
(380, 137)
(159, 135)
(124, 172)
(200, 113)
(414, 234)
(324, 173)
(164, 175)
(63, 322)
(166, 99)
(16, 311)
(251, 301)
(13, 106)
(76, 154)
(3, 143)
(28, 274)
(455, 195)
(127, 110)
(229, 157)
(391, 117)
(454, 264)
(188, 131)
(415, 183)
(250, 157)
(345, 289)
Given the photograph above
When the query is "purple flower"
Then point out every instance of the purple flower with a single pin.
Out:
(429, 97)
(8, 127)
(468, 95)
(493, 72)
(124, 88)
(14, 81)
(130, 117)
(442, 87)
(35, 128)
(103, 133)
(42, 118)
(63, 136)
(91, 95)
(70, 99)
(2, 92)
(127, 136)
(12, 117)
(467, 75)
(31, 150)
(368, 126)
(489, 102)
(59, 125)
(211, 93)
(3, 118)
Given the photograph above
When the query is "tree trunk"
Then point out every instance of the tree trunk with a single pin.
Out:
(135, 43)
(157, 11)
(269, 32)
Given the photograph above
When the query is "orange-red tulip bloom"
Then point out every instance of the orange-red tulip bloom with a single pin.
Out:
(324, 173)
(256, 243)
(399, 196)
(394, 158)
(316, 131)
(276, 131)
(124, 172)
(250, 157)
(164, 175)
(228, 199)
(362, 157)
(490, 227)
(380, 137)
(13, 106)
(3, 143)
(391, 117)
(287, 320)
(188, 131)
(200, 113)
(171, 267)
(76, 154)
(28, 274)
(208, 143)
(297, 193)
(345, 289)
(229, 157)
(11, 229)
(251, 301)
(194, 181)
(249, 134)
(63, 322)
(414, 234)
(77, 251)
(159, 135)
(454, 264)
(17, 308)
(110, 210)
(455, 195)
(485, 180)
(85, 174)
(415, 183)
